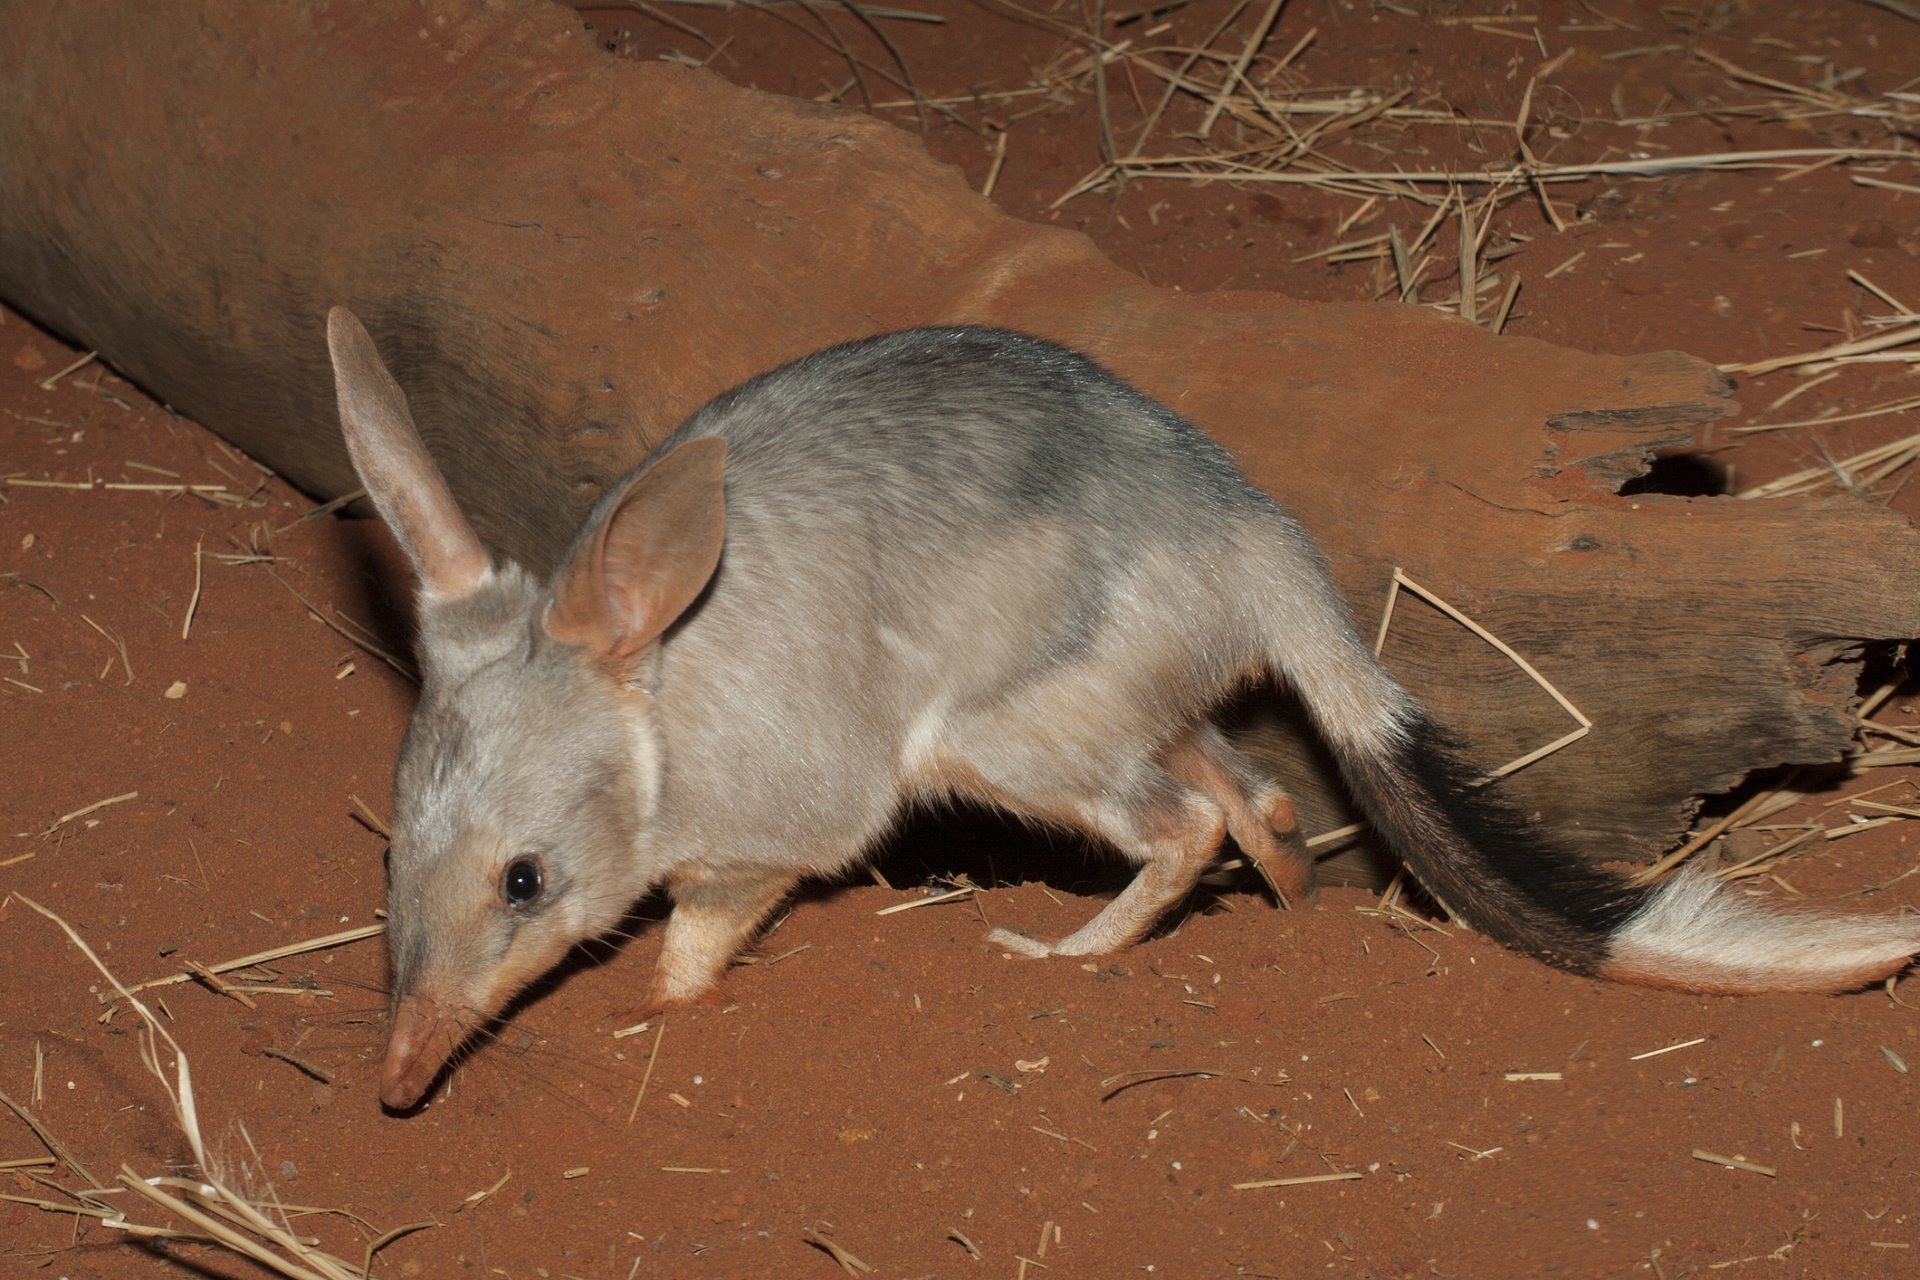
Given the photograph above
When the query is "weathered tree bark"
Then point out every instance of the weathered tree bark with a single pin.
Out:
(563, 253)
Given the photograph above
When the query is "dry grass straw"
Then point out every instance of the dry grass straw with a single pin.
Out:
(29, 1162)
(118, 486)
(1903, 405)
(47, 383)
(223, 1217)
(1670, 1048)
(195, 972)
(1852, 474)
(352, 632)
(823, 32)
(1582, 725)
(1305, 1180)
(324, 509)
(1877, 349)
(1757, 808)
(84, 810)
(952, 895)
(1733, 1162)
(193, 601)
(119, 648)
(653, 1059)
(871, 10)
(1261, 123)
(92, 1198)
(849, 1263)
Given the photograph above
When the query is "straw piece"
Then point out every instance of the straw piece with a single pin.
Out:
(223, 1233)
(1506, 304)
(46, 1136)
(1878, 461)
(339, 939)
(1400, 579)
(954, 895)
(1750, 811)
(1861, 179)
(387, 1237)
(179, 1090)
(1843, 351)
(1239, 69)
(1645, 167)
(84, 810)
(1654, 1053)
(653, 1056)
(212, 980)
(872, 11)
(193, 601)
(54, 1206)
(1732, 1162)
(352, 632)
(476, 1197)
(993, 168)
(47, 383)
(1900, 8)
(1890, 406)
(848, 1262)
(1265, 1183)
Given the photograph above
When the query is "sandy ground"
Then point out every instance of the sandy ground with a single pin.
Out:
(1331, 1091)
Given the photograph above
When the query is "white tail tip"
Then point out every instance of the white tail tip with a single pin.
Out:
(1696, 934)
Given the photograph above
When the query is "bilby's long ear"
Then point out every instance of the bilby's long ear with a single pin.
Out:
(406, 487)
(650, 556)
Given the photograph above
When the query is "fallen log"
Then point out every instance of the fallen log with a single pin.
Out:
(562, 253)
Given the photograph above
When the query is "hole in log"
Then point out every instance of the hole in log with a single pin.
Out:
(1683, 475)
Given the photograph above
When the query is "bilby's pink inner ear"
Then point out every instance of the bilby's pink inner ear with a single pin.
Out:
(406, 487)
(650, 557)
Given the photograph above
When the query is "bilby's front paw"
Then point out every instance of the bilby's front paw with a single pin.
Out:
(1019, 943)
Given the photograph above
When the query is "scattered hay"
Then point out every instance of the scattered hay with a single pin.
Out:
(194, 972)
(259, 1228)
(1234, 106)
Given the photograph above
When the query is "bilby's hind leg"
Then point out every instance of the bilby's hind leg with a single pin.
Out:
(714, 913)
(1173, 831)
(1260, 815)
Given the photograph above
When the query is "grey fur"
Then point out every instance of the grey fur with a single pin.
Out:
(981, 521)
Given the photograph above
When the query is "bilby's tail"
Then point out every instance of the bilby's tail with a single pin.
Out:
(1500, 873)
(1497, 872)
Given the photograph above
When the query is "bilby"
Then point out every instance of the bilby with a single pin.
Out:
(941, 562)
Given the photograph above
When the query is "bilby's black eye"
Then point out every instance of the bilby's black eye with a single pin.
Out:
(522, 881)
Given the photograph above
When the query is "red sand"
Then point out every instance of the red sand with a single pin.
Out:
(890, 1081)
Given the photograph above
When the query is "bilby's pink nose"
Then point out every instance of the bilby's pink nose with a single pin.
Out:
(425, 1034)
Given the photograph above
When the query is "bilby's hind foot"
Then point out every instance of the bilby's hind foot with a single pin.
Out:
(1172, 833)
(1259, 813)
(1283, 859)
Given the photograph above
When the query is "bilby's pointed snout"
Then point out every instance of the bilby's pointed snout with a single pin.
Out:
(425, 1034)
